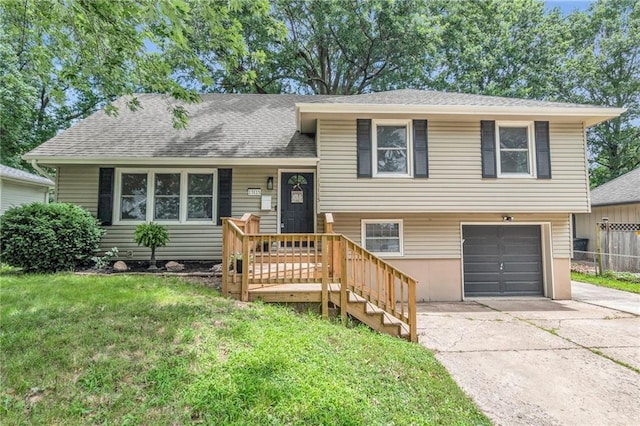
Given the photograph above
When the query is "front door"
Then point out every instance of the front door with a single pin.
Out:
(297, 203)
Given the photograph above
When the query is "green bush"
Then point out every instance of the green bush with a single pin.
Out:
(48, 237)
(151, 235)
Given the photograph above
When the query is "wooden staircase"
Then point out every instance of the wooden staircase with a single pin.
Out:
(324, 268)
(371, 315)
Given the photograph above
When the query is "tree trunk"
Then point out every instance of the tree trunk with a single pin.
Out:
(152, 262)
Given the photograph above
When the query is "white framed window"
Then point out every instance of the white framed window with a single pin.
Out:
(515, 150)
(164, 196)
(383, 236)
(392, 148)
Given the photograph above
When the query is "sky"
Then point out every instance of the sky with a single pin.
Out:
(568, 6)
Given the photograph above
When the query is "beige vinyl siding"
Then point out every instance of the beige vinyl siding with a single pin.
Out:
(79, 185)
(255, 177)
(436, 236)
(586, 223)
(13, 194)
(455, 182)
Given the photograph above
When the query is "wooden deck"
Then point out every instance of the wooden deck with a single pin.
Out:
(326, 268)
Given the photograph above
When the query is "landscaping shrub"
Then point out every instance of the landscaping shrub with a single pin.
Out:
(151, 235)
(48, 237)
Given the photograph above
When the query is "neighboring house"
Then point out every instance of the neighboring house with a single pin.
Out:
(617, 200)
(18, 187)
(471, 195)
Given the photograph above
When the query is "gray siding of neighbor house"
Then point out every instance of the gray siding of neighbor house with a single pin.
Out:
(586, 223)
(14, 194)
(79, 185)
(438, 236)
(455, 182)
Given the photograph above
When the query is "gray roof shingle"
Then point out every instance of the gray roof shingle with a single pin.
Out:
(221, 125)
(621, 190)
(21, 175)
(231, 125)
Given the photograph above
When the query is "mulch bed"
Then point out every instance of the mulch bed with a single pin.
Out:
(197, 272)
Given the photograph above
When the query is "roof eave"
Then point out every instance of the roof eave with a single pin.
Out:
(175, 161)
(27, 181)
(590, 116)
(615, 203)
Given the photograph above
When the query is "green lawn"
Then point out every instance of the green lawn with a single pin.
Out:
(147, 350)
(606, 281)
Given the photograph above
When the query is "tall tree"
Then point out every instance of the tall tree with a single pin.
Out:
(603, 68)
(333, 47)
(59, 61)
(495, 47)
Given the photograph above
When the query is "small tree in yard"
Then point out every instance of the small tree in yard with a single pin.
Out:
(151, 235)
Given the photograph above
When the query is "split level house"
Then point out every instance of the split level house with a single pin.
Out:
(470, 195)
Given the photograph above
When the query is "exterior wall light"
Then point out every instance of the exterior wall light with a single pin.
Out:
(507, 218)
(270, 183)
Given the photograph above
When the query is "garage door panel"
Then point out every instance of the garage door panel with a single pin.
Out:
(502, 260)
(523, 288)
(482, 288)
(480, 267)
(483, 249)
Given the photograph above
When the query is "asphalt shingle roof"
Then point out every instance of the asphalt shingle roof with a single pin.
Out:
(621, 190)
(221, 125)
(231, 125)
(21, 175)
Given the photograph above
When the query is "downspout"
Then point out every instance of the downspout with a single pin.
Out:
(34, 164)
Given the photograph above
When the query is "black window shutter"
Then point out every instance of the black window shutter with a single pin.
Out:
(224, 194)
(364, 148)
(543, 151)
(420, 149)
(488, 142)
(105, 195)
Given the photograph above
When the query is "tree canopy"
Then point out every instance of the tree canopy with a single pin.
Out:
(60, 61)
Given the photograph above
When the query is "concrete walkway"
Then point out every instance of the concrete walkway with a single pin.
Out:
(606, 297)
(538, 361)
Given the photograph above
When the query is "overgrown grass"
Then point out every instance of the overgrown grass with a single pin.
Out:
(148, 350)
(607, 280)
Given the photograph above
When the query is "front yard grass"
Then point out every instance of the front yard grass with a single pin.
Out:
(149, 350)
(606, 281)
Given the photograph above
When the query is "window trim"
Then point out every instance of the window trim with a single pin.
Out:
(363, 236)
(374, 148)
(151, 174)
(531, 157)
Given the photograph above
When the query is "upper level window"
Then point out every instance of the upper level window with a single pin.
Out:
(515, 154)
(383, 237)
(164, 196)
(391, 148)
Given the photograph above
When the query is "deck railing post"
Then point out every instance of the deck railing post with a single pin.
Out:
(344, 281)
(325, 276)
(413, 327)
(245, 270)
(225, 257)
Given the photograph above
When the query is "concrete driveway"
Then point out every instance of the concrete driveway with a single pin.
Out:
(538, 361)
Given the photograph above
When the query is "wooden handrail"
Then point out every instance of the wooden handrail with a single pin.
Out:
(271, 259)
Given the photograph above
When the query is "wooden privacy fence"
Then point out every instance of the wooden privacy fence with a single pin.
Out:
(255, 260)
(618, 246)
